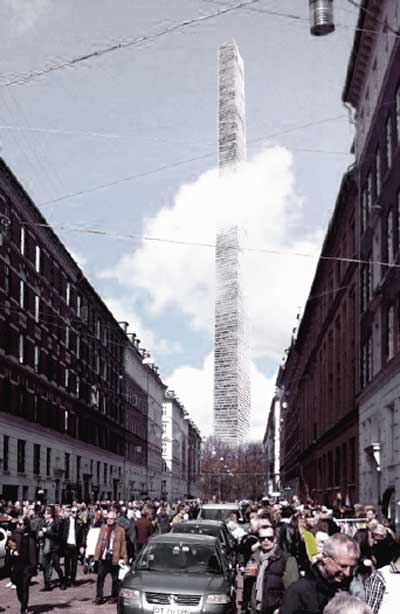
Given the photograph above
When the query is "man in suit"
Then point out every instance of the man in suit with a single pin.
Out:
(110, 552)
(72, 536)
(51, 535)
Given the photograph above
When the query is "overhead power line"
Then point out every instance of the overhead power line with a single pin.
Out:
(204, 156)
(125, 44)
(385, 24)
(155, 239)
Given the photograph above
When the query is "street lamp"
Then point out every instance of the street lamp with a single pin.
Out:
(321, 17)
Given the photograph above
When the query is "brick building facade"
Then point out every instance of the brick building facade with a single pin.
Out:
(373, 90)
(72, 421)
(318, 383)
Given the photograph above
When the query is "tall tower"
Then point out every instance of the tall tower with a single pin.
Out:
(231, 348)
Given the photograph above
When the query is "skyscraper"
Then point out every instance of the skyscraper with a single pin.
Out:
(231, 348)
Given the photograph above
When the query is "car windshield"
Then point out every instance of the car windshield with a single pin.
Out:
(216, 514)
(190, 558)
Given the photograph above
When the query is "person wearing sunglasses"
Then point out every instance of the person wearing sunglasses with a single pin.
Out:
(24, 556)
(276, 571)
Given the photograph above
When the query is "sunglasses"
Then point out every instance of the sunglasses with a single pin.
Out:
(269, 538)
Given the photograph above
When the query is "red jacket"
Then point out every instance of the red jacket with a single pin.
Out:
(144, 529)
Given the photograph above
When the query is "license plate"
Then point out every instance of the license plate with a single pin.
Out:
(166, 609)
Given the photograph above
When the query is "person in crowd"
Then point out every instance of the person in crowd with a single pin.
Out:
(370, 513)
(110, 553)
(126, 520)
(382, 541)
(321, 533)
(331, 573)
(382, 588)
(163, 520)
(72, 543)
(25, 560)
(276, 571)
(366, 563)
(289, 538)
(246, 547)
(306, 528)
(144, 529)
(51, 535)
(343, 603)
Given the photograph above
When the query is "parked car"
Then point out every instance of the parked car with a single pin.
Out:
(216, 528)
(178, 573)
(3, 540)
(220, 511)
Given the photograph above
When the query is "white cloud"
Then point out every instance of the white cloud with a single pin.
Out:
(25, 13)
(126, 312)
(194, 388)
(261, 197)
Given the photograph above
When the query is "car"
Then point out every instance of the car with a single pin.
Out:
(4, 526)
(216, 528)
(179, 573)
(220, 511)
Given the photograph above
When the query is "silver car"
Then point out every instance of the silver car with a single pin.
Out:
(179, 574)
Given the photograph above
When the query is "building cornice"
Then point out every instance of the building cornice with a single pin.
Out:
(367, 30)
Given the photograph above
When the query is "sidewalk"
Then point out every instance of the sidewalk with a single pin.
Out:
(76, 599)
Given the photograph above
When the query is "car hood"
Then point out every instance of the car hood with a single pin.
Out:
(183, 583)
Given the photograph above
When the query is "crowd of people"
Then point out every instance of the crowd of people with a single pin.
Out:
(294, 558)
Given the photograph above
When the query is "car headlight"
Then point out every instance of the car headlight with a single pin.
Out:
(129, 594)
(218, 599)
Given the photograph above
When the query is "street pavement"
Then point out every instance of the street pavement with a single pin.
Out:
(76, 599)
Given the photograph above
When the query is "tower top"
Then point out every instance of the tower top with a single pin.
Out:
(231, 124)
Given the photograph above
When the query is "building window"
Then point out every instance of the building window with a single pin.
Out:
(37, 259)
(378, 173)
(22, 240)
(366, 362)
(66, 380)
(37, 308)
(390, 237)
(67, 459)
(98, 472)
(105, 477)
(36, 358)
(97, 364)
(7, 279)
(398, 112)
(369, 195)
(78, 346)
(78, 467)
(390, 334)
(6, 448)
(21, 349)
(67, 336)
(98, 329)
(68, 293)
(21, 455)
(77, 386)
(78, 305)
(389, 142)
(48, 461)
(36, 459)
(21, 293)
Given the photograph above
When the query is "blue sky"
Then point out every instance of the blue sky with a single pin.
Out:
(142, 121)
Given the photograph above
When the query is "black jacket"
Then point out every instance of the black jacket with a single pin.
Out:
(309, 595)
(273, 587)
(289, 539)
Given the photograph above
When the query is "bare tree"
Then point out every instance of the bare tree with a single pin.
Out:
(233, 473)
